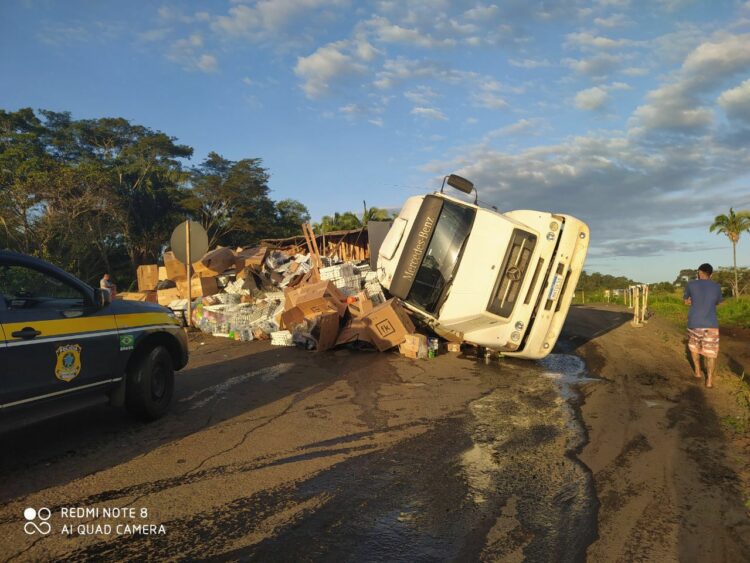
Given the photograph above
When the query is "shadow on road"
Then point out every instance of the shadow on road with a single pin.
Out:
(56, 451)
(586, 323)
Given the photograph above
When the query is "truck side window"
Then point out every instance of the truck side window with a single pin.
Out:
(26, 288)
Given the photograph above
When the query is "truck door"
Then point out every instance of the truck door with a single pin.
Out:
(56, 340)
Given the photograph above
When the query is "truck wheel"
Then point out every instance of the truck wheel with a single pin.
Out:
(150, 385)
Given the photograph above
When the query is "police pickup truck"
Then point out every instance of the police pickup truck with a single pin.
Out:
(64, 344)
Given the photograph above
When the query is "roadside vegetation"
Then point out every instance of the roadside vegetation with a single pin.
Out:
(103, 195)
(735, 311)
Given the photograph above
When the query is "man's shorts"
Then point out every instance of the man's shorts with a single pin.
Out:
(704, 341)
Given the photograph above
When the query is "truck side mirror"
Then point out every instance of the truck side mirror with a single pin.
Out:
(461, 184)
(102, 297)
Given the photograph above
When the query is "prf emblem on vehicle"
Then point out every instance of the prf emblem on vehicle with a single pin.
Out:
(68, 362)
(513, 273)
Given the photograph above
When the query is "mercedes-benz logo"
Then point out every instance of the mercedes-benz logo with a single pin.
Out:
(513, 273)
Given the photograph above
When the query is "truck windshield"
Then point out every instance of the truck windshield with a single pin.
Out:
(442, 256)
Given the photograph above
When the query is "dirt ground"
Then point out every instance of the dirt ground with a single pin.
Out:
(281, 454)
(671, 472)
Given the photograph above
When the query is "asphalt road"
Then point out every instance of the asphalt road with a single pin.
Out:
(281, 454)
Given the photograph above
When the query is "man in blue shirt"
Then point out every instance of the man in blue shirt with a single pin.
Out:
(703, 295)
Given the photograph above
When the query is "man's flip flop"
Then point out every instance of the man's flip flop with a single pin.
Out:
(709, 386)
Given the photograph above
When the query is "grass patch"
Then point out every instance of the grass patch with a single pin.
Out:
(740, 423)
(733, 312)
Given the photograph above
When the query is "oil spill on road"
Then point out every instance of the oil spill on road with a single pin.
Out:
(501, 481)
(526, 437)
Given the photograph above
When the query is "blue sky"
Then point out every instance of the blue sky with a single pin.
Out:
(633, 116)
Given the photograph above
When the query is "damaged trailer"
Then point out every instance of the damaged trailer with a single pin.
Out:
(500, 280)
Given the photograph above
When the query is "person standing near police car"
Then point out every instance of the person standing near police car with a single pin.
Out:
(106, 283)
(703, 296)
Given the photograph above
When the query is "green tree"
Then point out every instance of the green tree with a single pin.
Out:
(226, 197)
(374, 214)
(346, 221)
(685, 276)
(82, 192)
(732, 226)
(290, 215)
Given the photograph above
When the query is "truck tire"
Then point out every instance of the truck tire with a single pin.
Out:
(150, 385)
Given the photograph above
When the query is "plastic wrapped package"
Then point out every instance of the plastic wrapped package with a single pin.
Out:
(282, 338)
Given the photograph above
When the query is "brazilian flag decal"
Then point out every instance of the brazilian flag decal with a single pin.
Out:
(127, 342)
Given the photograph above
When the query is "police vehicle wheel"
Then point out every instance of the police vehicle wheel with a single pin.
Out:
(150, 385)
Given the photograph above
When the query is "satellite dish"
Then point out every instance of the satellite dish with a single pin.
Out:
(198, 242)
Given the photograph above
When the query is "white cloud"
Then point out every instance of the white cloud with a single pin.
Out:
(388, 32)
(331, 63)
(153, 35)
(736, 102)
(488, 95)
(186, 52)
(429, 113)
(714, 60)
(591, 99)
(613, 20)
(635, 71)
(269, 15)
(207, 63)
(586, 40)
(530, 63)
(597, 66)
(175, 15)
(421, 95)
(482, 13)
(679, 105)
(400, 69)
(670, 108)
(520, 127)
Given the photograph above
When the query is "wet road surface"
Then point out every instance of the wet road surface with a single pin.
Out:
(280, 454)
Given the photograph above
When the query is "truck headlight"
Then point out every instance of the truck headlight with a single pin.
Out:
(550, 236)
(515, 336)
(519, 325)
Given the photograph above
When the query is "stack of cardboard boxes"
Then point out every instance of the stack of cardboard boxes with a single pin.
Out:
(330, 312)
(204, 280)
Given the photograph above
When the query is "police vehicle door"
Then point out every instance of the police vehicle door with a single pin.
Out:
(57, 341)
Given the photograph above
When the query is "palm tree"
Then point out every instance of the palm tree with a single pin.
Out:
(732, 225)
(374, 214)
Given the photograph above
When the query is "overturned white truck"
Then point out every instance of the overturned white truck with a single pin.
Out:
(500, 280)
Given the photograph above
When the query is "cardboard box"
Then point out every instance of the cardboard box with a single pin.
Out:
(148, 277)
(355, 330)
(389, 324)
(291, 318)
(414, 346)
(327, 331)
(166, 296)
(200, 287)
(316, 299)
(215, 262)
(149, 296)
(162, 273)
(174, 268)
(251, 257)
(362, 306)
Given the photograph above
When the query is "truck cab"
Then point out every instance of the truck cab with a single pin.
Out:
(504, 281)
